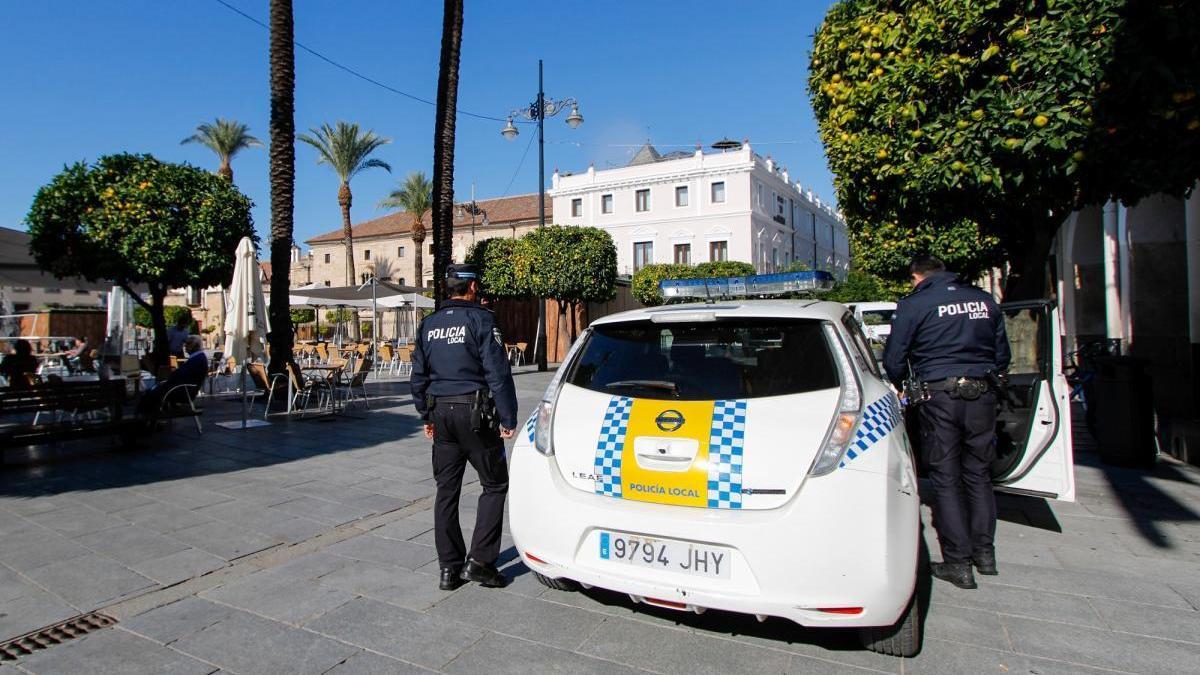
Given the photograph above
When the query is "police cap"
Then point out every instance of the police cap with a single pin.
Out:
(461, 271)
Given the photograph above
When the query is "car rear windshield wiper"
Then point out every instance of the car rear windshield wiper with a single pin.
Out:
(645, 384)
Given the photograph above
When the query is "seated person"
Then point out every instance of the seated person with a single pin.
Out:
(193, 371)
(20, 363)
(78, 356)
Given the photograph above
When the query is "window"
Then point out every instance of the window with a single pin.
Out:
(758, 195)
(774, 259)
(718, 251)
(779, 209)
(643, 254)
(367, 254)
(641, 200)
(705, 361)
(606, 203)
(400, 281)
(681, 195)
(400, 252)
(326, 281)
(52, 291)
(683, 254)
(861, 348)
(576, 207)
(80, 291)
(326, 258)
(718, 192)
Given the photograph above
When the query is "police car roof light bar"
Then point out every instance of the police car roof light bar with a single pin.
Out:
(759, 285)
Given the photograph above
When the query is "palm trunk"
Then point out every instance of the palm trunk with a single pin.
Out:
(283, 179)
(418, 237)
(345, 199)
(443, 145)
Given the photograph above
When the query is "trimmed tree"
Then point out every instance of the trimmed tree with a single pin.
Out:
(645, 282)
(725, 268)
(886, 250)
(135, 221)
(496, 260)
(571, 265)
(1009, 114)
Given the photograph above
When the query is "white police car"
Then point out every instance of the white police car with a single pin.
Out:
(747, 456)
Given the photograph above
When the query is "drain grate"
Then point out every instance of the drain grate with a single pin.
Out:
(44, 638)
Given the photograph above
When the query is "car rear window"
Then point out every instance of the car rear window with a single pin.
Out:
(878, 317)
(743, 358)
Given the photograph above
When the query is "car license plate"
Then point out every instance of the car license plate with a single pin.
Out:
(665, 554)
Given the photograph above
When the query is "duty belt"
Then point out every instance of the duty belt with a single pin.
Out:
(952, 383)
(456, 398)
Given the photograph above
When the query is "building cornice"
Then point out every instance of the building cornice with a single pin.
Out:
(639, 181)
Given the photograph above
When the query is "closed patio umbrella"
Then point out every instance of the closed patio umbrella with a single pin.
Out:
(246, 314)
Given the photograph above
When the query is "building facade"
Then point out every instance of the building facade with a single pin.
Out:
(384, 247)
(693, 207)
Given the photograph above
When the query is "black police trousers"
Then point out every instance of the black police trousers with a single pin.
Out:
(958, 441)
(455, 444)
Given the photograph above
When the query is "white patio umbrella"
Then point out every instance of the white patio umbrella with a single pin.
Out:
(246, 314)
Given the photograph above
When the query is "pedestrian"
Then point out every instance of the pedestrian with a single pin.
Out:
(19, 366)
(190, 372)
(949, 336)
(178, 334)
(463, 388)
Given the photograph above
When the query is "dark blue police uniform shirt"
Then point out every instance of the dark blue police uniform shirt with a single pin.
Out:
(458, 351)
(946, 328)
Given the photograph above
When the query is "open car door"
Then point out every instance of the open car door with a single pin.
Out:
(1034, 454)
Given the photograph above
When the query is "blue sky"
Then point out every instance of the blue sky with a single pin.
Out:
(82, 79)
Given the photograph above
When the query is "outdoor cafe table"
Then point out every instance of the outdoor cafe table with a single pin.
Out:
(329, 374)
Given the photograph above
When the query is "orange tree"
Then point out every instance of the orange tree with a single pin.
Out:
(136, 221)
(1005, 114)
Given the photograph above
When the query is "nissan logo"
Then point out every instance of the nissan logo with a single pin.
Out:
(669, 420)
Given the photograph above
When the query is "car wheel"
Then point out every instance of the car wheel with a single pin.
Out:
(901, 639)
(556, 584)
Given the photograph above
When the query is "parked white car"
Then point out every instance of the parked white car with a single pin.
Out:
(875, 318)
(743, 456)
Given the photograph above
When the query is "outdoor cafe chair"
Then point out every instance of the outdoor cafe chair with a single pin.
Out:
(302, 388)
(404, 359)
(215, 370)
(180, 401)
(355, 384)
(323, 352)
(520, 354)
(387, 358)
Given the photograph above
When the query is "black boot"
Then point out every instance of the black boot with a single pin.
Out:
(485, 575)
(958, 574)
(450, 579)
(985, 561)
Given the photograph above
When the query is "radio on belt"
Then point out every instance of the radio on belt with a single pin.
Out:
(759, 285)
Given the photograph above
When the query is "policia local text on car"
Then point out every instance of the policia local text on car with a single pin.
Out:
(462, 386)
(948, 340)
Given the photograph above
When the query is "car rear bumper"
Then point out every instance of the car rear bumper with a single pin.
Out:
(847, 540)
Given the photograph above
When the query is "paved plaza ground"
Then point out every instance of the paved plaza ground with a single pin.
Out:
(306, 547)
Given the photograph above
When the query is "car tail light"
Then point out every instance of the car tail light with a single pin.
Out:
(841, 431)
(840, 610)
(543, 428)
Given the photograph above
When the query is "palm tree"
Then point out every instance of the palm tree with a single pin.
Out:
(226, 138)
(443, 144)
(348, 152)
(415, 197)
(283, 177)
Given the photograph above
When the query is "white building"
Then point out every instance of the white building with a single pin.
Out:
(693, 207)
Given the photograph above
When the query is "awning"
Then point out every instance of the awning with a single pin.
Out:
(387, 296)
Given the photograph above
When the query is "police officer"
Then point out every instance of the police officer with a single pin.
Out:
(952, 335)
(462, 386)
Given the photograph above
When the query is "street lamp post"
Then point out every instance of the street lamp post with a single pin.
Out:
(538, 111)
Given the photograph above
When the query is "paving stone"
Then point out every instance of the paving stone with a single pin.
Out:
(168, 623)
(333, 513)
(30, 611)
(76, 520)
(30, 505)
(970, 626)
(180, 566)
(113, 651)
(223, 539)
(667, 650)
(258, 492)
(1160, 622)
(34, 548)
(1105, 649)
(1020, 601)
(807, 665)
(388, 551)
(251, 645)
(523, 617)
(89, 581)
(1089, 583)
(163, 518)
(131, 544)
(390, 584)
(366, 663)
(942, 657)
(112, 500)
(279, 596)
(402, 530)
(504, 655)
(418, 638)
(186, 496)
(313, 565)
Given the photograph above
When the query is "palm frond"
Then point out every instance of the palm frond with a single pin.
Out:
(346, 149)
(415, 195)
(224, 137)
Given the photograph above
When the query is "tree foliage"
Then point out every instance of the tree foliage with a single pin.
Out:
(860, 286)
(171, 313)
(415, 196)
(725, 268)
(135, 220)
(302, 315)
(886, 250)
(568, 264)
(225, 138)
(1007, 114)
(340, 315)
(496, 260)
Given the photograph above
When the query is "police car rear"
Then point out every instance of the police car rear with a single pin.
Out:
(737, 456)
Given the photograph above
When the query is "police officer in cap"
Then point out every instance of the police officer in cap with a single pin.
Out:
(951, 335)
(462, 386)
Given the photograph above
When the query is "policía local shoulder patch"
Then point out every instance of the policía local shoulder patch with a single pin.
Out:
(496, 336)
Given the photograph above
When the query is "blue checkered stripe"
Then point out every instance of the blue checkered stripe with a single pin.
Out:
(610, 444)
(725, 447)
(878, 420)
(530, 425)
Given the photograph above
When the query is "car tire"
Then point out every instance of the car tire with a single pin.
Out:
(556, 584)
(901, 639)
